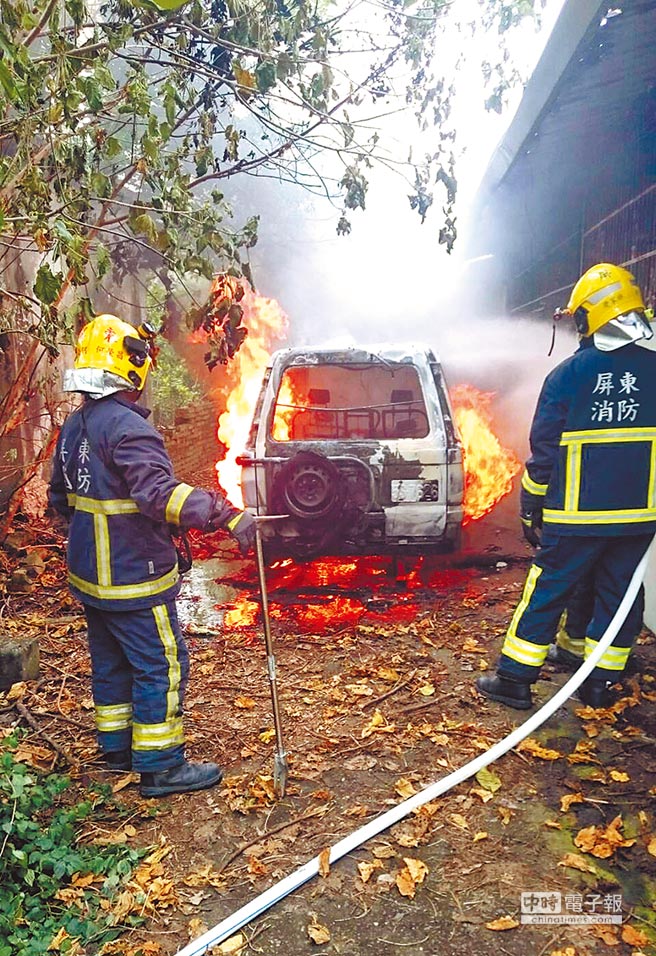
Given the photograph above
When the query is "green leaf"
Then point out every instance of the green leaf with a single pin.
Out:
(104, 77)
(47, 284)
(265, 76)
(488, 780)
(62, 231)
(144, 225)
(7, 83)
(93, 94)
(150, 148)
(169, 109)
(103, 260)
(76, 10)
(100, 184)
(112, 147)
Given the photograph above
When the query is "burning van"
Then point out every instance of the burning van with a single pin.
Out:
(358, 449)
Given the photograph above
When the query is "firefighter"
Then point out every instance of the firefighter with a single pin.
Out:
(588, 491)
(113, 480)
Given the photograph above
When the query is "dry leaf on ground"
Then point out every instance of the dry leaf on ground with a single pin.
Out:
(359, 690)
(535, 749)
(384, 852)
(231, 947)
(365, 869)
(317, 932)
(16, 691)
(619, 776)
(417, 869)
(404, 788)
(41, 758)
(388, 674)
(196, 927)
(568, 799)
(483, 795)
(608, 934)
(504, 922)
(633, 936)
(413, 872)
(324, 862)
(577, 862)
(125, 781)
(377, 724)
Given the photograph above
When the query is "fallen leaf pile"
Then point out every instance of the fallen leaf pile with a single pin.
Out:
(602, 842)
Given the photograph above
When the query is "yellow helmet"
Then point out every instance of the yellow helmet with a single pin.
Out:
(112, 345)
(603, 293)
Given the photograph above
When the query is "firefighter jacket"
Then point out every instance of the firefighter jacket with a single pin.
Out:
(113, 479)
(592, 468)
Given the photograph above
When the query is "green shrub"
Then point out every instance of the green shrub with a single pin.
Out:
(39, 854)
(172, 384)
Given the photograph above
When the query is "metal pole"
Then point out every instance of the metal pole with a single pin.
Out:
(280, 757)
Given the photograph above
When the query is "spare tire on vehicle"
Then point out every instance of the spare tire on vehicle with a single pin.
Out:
(309, 486)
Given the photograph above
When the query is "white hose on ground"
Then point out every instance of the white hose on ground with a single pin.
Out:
(278, 891)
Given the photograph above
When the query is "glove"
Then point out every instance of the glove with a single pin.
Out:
(531, 520)
(242, 528)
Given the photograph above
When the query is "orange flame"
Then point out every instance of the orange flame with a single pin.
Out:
(243, 614)
(267, 327)
(489, 467)
(282, 419)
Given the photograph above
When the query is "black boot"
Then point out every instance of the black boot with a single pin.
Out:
(595, 693)
(181, 779)
(513, 693)
(558, 655)
(118, 760)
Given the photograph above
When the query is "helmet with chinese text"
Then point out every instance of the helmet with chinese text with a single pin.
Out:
(109, 344)
(603, 293)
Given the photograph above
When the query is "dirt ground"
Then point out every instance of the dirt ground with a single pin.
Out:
(375, 666)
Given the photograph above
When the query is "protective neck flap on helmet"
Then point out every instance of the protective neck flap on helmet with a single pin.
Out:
(94, 382)
(621, 331)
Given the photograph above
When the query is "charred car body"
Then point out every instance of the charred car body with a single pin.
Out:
(359, 449)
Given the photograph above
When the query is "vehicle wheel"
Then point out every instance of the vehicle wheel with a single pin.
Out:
(309, 486)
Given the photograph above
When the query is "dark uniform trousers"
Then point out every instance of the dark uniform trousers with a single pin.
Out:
(563, 560)
(140, 670)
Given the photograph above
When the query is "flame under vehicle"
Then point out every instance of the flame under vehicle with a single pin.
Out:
(358, 448)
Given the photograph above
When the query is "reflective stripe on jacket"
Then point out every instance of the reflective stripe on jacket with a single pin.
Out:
(113, 479)
(593, 444)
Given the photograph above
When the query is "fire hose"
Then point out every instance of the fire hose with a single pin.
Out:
(229, 926)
